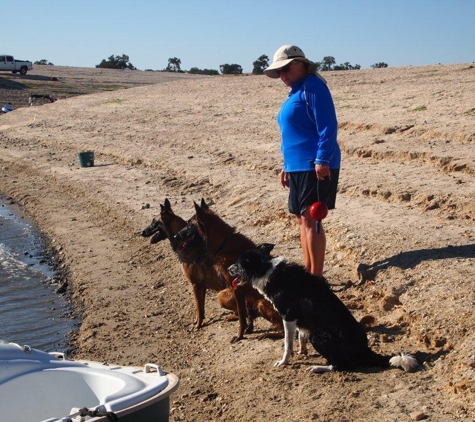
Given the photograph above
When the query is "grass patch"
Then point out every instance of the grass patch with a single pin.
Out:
(109, 87)
(420, 108)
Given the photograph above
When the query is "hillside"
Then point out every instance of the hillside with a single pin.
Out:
(401, 242)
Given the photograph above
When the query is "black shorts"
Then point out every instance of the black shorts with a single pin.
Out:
(305, 189)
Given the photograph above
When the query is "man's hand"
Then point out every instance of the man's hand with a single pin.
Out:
(284, 179)
(322, 171)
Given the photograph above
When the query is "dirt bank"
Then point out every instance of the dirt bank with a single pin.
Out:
(401, 243)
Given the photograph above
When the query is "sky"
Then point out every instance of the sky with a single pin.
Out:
(208, 33)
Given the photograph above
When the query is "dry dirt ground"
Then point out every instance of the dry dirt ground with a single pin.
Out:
(401, 243)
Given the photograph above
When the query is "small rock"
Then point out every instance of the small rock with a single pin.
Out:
(62, 289)
(418, 416)
(390, 302)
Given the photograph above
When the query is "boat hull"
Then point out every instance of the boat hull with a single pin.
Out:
(43, 387)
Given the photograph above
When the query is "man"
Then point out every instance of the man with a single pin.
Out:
(308, 126)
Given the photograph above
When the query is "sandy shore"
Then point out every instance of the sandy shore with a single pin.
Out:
(401, 243)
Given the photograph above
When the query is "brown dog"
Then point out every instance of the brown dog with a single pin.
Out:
(199, 271)
(223, 246)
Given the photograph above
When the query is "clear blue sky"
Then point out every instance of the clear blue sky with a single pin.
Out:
(208, 33)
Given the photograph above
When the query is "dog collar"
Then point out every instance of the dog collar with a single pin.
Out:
(220, 248)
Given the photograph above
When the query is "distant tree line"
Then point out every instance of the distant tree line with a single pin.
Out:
(329, 63)
(379, 65)
(43, 62)
(196, 71)
(174, 65)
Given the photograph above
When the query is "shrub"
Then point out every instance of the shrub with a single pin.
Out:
(116, 62)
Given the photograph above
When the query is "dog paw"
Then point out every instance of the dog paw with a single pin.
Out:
(303, 350)
(320, 369)
(232, 317)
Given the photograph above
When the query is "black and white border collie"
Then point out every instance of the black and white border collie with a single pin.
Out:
(306, 302)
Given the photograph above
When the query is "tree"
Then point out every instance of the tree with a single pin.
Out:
(44, 62)
(260, 64)
(117, 62)
(230, 69)
(328, 62)
(173, 65)
(379, 65)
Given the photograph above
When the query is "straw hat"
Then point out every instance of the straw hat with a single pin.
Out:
(286, 54)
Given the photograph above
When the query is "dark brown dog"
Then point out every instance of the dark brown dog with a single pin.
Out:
(199, 271)
(223, 246)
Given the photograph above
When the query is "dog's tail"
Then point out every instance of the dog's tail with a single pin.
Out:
(405, 361)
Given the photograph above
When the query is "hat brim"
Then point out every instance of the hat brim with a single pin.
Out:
(272, 70)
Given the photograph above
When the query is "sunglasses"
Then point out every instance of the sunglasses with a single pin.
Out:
(284, 69)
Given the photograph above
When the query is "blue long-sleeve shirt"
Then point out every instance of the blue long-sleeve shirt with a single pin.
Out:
(308, 127)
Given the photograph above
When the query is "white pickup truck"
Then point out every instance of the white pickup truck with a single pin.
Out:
(8, 63)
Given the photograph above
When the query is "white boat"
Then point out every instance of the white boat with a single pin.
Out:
(47, 387)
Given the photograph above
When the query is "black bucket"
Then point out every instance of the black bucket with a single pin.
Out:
(86, 158)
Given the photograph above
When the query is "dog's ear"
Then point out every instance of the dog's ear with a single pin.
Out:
(265, 248)
(204, 205)
(200, 215)
(168, 206)
(198, 210)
